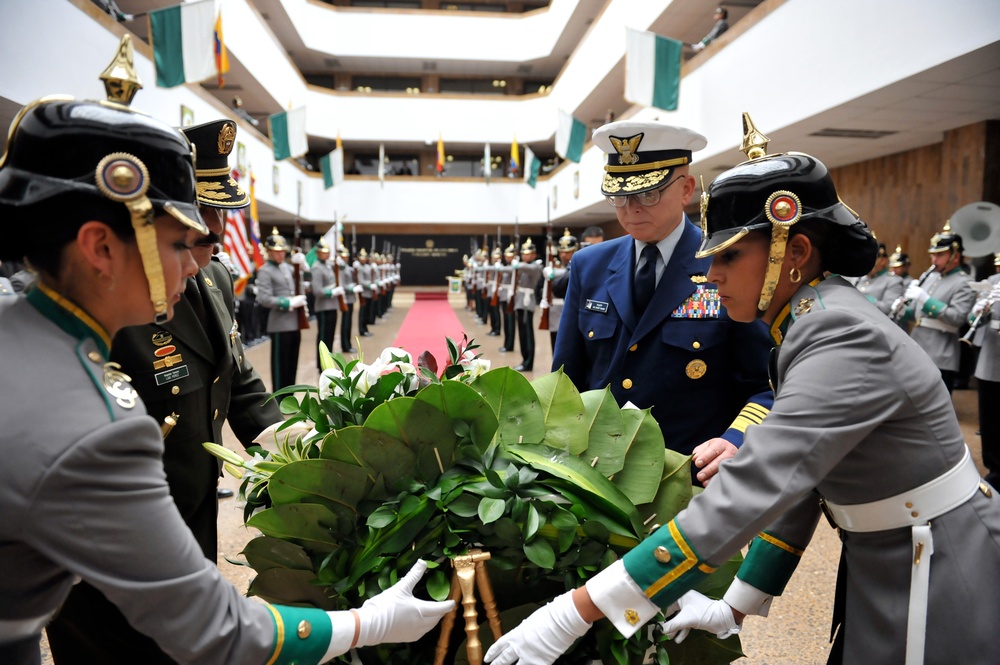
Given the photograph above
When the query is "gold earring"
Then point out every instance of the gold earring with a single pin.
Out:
(795, 275)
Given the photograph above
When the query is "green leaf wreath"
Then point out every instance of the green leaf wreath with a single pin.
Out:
(385, 463)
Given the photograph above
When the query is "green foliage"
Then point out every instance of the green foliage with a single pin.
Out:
(398, 463)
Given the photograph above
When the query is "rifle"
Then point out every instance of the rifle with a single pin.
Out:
(303, 317)
(336, 280)
(354, 253)
(543, 320)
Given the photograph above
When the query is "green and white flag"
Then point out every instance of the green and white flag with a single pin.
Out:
(487, 163)
(532, 167)
(183, 39)
(652, 70)
(332, 166)
(288, 133)
(570, 137)
(381, 165)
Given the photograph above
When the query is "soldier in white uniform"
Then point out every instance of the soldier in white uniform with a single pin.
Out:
(101, 202)
(880, 286)
(860, 423)
(985, 316)
(940, 304)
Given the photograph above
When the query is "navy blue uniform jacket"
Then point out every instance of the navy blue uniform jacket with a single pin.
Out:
(703, 374)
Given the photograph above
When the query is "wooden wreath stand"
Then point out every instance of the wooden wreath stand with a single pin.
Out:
(470, 571)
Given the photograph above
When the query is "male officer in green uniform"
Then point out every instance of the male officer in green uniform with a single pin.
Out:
(193, 375)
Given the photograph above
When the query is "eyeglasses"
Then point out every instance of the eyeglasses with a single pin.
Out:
(649, 198)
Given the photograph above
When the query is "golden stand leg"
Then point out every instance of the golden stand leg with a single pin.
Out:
(470, 571)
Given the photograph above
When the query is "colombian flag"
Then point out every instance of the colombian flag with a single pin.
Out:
(440, 160)
(221, 56)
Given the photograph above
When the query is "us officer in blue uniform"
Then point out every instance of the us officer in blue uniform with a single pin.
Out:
(673, 348)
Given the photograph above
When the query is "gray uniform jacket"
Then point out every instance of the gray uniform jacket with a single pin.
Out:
(529, 277)
(944, 313)
(506, 275)
(322, 280)
(988, 339)
(860, 414)
(6, 289)
(275, 285)
(881, 290)
(365, 276)
(347, 280)
(556, 305)
(83, 495)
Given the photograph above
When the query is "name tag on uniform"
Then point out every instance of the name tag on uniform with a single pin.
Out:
(596, 306)
(171, 375)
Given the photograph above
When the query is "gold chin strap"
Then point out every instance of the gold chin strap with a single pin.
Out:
(783, 209)
(124, 178)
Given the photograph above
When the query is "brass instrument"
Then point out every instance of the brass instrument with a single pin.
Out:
(982, 317)
(899, 307)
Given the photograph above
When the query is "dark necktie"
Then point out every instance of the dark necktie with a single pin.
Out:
(645, 280)
(193, 295)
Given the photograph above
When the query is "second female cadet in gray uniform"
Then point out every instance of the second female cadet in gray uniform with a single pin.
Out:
(860, 423)
(880, 286)
(276, 294)
(940, 303)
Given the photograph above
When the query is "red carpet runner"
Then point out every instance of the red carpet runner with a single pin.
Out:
(426, 325)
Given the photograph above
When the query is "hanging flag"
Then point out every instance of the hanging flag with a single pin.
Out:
(221, 55)
(254, 245)
(288, 133)
(183, 39)
(440, 158)
(652, 70)
(487, 163)
(332, 166)
(570, 137)
(381, 164)
(235, 244)
(532, 167)
(515, 159)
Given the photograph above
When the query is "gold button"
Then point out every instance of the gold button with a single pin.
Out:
(627, 384)
(208, 281)
(215, 380)
(633, 347)
(175, 390)
(95, 356)
(915, 514)
(985, 488)
(662, 554)
(909, 505)
(696, 345)
(216, 414)
(240, 361)
(632, 616)
(590, 334)
(304, 630)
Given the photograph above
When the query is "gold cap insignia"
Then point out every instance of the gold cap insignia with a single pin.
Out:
(626, 148)
(227, 138)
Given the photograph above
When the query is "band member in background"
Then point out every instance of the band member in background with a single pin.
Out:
(880, 286)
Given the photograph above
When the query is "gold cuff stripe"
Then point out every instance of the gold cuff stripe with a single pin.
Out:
(752, 414)
(279, 627)
(766, 537)
(741, 424)
(690, 561)
(632, 168)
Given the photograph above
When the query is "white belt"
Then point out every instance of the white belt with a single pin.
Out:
(526, 289)
(914, 509)
(935, 324)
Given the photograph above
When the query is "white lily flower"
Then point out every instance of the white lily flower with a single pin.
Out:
(326, 386)
(392, 354)
(477, 366)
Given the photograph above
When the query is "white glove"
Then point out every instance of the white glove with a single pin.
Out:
(515, 263)
(225, 261)
(527, 299)
(542, 637)
(358, 288)
(917, 296)
(550, 273)
(703, 613)
(697, 46)
(978, 307)
(296, 301)
(995, 292)
(299, 259)
(336, 291)
(396, 616)
(543, 304)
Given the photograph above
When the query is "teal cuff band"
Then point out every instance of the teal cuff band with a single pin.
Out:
(283, 303)
(301, 635)
(769, 563)
(933, 307)
(665, 565)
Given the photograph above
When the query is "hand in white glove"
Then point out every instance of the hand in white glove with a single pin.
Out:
(916, 295)
(549, 273)
(299, 259)
(515, 263)
(296, 301)
(995, 292)
(697, 46)
(358, 288)
(543, 304)
(703, 613)
(396, 616)
(336, 291)
(542, 637)
(226, 261)
(978, 307)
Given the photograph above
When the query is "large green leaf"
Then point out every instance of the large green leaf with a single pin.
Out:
(460, 402)
(380, 454)
(391, 540)
(565, 421)
(604, 420)
(264, 553)
(568, 467)
(640, 476)
(424, 429)
(675, 490)
(307, 524)
(337, 485)
(285, 586)
(519, 415)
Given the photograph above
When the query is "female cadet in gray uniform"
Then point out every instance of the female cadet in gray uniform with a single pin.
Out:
(109, 226)
(861, 423)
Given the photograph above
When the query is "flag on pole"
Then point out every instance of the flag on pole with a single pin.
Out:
(221, 55)
(570, 137)
(258, 255)
(440, 158)
(381, 164)
(487, 163)
(288, 133)
(532, 167)
(235, 243)
(332, 166)
(515, 159)
(183, 39)
(652, 70)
